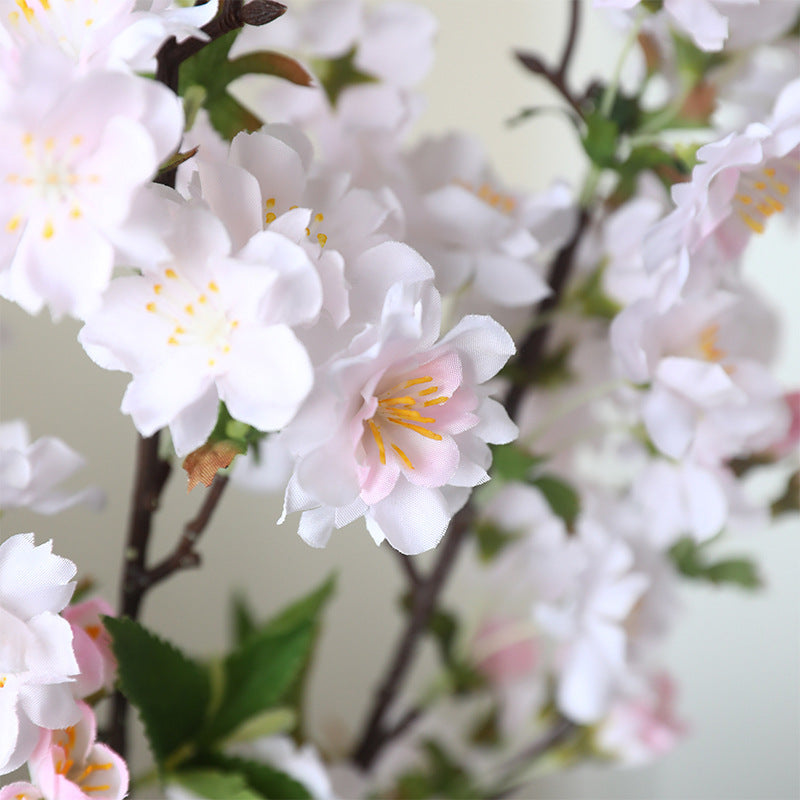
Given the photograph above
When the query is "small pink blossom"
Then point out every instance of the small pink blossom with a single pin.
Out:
(92, 646)
(505, 650)
(641, 729)
(69, 764)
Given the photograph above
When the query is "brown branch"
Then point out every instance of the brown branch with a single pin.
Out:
(532, 348)
(425, 591)
(150, 478)
(557, 77)
(376, 734)
(184, 556)
(410, 569)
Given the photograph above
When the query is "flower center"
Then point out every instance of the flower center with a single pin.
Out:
(196, 318)
(502, 202)
(762, 193)
(407, 406)
(313, 229)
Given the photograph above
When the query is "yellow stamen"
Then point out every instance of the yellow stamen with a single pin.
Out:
(754, 226)
(26, 10)
(170, 273)
(270, 217)
(417, 429)
(410, 413)
(158, 288)
(416, 381)
(93, 631)
(104, 788)
(172, 340)
(13, 223)
(318, 218)
(212, 287)
(429, 390)
(90, 768)
(769, 172)
(744, 198)
(151, 306)
(403, 457)
(397, 401)
(322, 239)
(270, 202)
(376, 432)
(437, 402)
(179, 330)
(48, 230)
(75, 213)
(202, 299)
(765, 209)
(189, 309)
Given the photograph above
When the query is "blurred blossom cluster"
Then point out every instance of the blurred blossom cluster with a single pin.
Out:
(575, 382)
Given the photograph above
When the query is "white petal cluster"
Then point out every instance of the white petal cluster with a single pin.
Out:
(37, 662)
(30, 472)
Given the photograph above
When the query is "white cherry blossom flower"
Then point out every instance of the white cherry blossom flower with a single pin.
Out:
(30, 472)
(118, 34)
(590, 623)
(76, 150)
(37, 662)
(467, 225)
(205, 326)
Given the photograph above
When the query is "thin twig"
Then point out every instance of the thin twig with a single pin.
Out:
(376, 735)
(557, 77)
(560, 731)
(184, 555)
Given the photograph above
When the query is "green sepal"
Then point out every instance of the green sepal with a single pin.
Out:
(563, 500)
(170, 691)
(336, 74)
(492, 540)
(511, 463)
(690, 560)
(601, 139)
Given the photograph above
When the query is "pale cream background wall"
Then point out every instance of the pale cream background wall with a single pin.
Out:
(736, 657)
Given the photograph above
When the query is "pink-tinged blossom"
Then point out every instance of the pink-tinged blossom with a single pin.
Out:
(207, 326)
(790, 443)
(740, 182)
(396, 429)
(68, 764)
(642, 727)
(37, 662)
(97, 665)
(76, 151)
(30, 472)
(20, 790)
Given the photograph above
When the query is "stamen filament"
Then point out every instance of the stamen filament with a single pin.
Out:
(417, 429)
(403, 457)
(376, 432)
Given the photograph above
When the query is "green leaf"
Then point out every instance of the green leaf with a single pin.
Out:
(512, 463)
(256, 677)
(690, 560)
(601, 140)
(492, 540)
(243, 623)
(214, 785)
(170, 691)
(268, 723)
(211, 70)
(305, 610)
(561, 497)
(269, 782)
